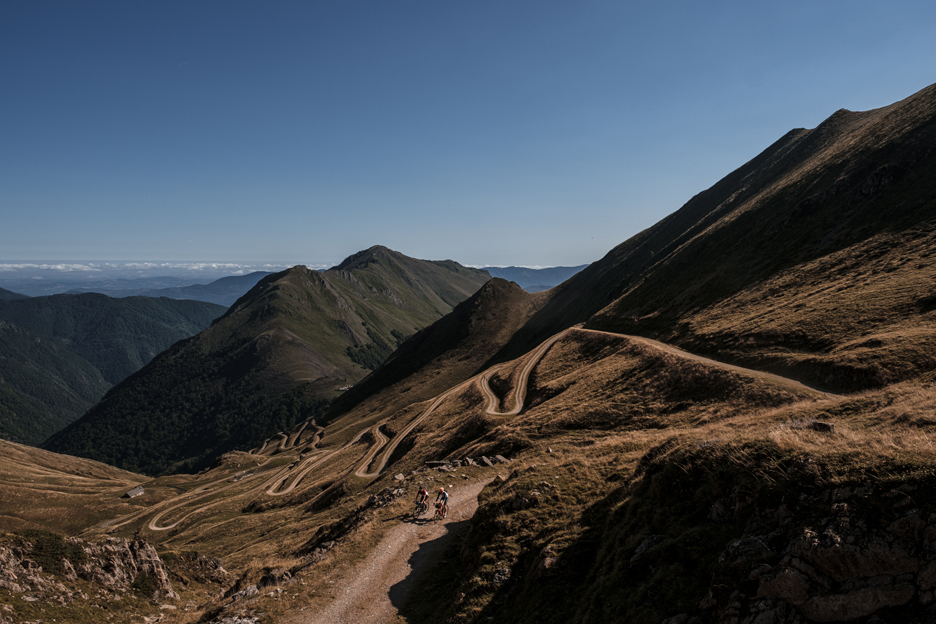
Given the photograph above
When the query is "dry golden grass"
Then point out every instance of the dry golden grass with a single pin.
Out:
(601, 409)
(861, 317)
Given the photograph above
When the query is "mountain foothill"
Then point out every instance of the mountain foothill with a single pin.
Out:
(728, 418)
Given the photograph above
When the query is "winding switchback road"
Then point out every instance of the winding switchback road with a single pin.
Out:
(382, 448)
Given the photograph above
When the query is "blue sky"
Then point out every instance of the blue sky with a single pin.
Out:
(489, 132)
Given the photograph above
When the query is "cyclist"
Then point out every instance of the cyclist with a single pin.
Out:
(443, 497)
(422, 497)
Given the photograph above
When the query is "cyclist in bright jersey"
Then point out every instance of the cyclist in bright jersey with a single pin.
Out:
(443, 496)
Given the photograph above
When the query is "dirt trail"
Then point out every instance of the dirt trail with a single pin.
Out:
(778, 379)
(375, 590)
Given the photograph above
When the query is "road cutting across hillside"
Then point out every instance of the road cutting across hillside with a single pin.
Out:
(381, 450)
(532, 359)
(662, 346)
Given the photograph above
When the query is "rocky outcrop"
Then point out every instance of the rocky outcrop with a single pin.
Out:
(189, 567)
(22, 575)
(116, 566)
(119, 565)
(840, 568)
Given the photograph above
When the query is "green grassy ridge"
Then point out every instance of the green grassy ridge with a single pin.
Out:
(374, 298)
(443, 354)
(276, 358)
(117, 336)
(43, 386)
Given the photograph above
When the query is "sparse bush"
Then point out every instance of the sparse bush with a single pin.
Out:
(146, 584)
(49, 549)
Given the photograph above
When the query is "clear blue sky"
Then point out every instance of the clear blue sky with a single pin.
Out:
(489, 132)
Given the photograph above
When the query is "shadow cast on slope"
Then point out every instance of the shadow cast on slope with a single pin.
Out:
(415, 596)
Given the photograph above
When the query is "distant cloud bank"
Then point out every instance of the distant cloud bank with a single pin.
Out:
(64, 268)
(148, 268)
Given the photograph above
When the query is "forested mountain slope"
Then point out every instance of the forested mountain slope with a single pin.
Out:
(118, 336)
(43, 386)
(59, 354)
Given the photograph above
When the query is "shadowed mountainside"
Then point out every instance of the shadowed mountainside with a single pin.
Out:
(275, 358)
(59, 354)
(117, 336)
(820, 215)
(43, 386)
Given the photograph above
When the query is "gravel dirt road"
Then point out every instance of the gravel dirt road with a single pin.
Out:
(375, 590)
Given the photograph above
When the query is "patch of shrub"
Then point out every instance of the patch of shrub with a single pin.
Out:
(49, 549)
(146, 584)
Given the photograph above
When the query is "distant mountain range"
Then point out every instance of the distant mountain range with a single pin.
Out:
(224, 291)
(534, 280)
(60, 354)
(278, 356)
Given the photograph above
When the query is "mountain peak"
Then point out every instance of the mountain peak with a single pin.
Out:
(365, 257)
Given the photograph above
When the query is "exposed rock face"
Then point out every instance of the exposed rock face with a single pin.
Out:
(837, 569)
(191, 566)
(22, 575)
(119, 564)
(116, 565)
